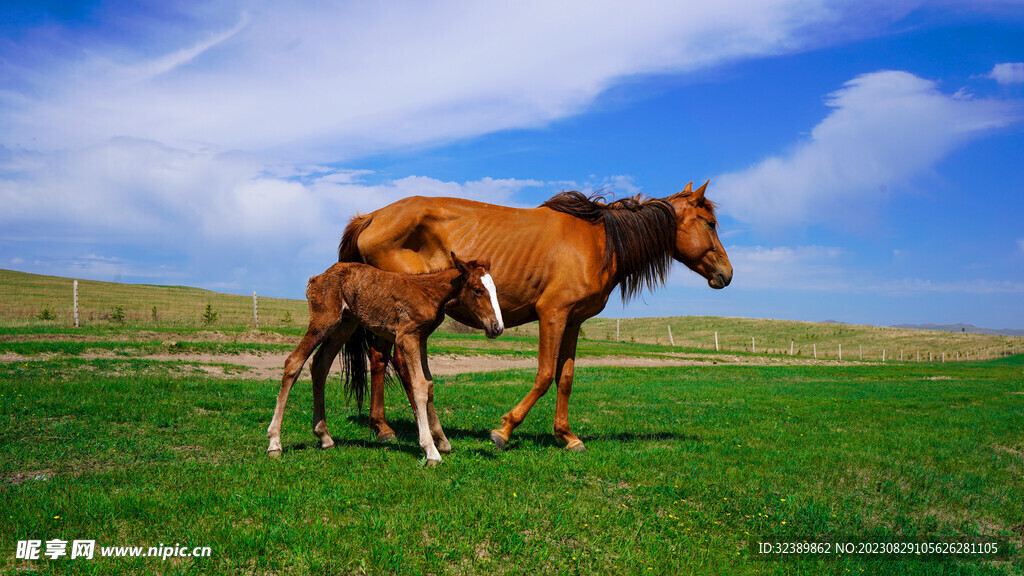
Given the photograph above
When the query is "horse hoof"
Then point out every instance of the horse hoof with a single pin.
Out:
(274, 453)
(386, 437)
(326, 444)
(578, 447)
(432, 463)
(499, 442)
(444, 448)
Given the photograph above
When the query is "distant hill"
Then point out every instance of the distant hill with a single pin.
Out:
(969, 329)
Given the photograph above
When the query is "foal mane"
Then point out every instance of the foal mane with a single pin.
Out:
(640, 234)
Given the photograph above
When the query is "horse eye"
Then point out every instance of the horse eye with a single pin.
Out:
(478, 291)
(712, 225)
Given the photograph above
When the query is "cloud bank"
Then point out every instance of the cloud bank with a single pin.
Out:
(345, 79)
(884, 129)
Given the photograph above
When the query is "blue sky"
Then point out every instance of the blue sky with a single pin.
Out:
(867, 156)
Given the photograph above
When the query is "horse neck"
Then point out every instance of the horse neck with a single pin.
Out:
(440, 287)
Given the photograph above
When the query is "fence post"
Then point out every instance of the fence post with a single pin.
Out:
(716, 341)
(255, 311)
(753, 349)
(616, 329)
(670, 340)
(883, 354)
(76, 303)
(901, 354)
(814, 347)
(840, 352)
(790, 347)
(860, 351)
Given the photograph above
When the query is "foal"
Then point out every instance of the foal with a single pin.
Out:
(402, 308)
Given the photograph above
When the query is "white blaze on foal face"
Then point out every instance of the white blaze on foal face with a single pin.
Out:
(488, 283)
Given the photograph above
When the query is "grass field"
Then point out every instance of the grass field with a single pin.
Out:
(685, 468)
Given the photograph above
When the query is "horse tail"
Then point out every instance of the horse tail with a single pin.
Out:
(348, 249)
(354, 365)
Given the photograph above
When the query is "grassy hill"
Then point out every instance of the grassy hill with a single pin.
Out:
(23, 297)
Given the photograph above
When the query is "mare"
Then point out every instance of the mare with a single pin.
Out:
(556, 264)
(402, 309)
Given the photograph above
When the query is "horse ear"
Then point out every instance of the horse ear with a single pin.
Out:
(459, 264)
(684, 192)
(698, 195)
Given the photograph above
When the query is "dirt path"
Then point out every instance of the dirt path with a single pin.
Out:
(269, 365)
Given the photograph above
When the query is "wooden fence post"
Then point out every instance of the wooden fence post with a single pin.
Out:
(716, 341)
(616, 329)
(840, 351)
(790, 347)
(814, 347)
(670, 340)
(753, 348)
(883, 354)
(76, 303)
(255, 311)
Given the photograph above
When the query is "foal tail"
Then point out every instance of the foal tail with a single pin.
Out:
(348, 249)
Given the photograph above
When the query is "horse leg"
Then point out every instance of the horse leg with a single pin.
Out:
(379, 351)
(420, 397)
(563, 375)
(320, 368)
(552, 325)
(292, 369)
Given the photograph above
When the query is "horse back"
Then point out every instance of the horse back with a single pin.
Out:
(535, 253)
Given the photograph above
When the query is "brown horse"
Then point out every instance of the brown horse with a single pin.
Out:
(403, 309)
(557, 264)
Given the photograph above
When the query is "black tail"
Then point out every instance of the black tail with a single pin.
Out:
(354, 364)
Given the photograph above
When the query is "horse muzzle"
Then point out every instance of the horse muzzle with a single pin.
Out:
(720, 280)
(494, 330)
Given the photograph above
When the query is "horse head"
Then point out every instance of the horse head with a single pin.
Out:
(697, 243)
(479, 296)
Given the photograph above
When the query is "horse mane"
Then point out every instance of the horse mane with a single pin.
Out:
(640, 235)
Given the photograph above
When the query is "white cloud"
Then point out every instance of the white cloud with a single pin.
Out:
(1008, 73)
(131, 199)
(884, 128)
(346, 79)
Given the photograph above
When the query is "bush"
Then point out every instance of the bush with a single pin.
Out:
(287, 317)
(47, 314)
(118, 314)
(209, 317)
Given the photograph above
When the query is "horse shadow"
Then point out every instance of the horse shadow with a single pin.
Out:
(405, 430)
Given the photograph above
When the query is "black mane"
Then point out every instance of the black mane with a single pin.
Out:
(640, 235)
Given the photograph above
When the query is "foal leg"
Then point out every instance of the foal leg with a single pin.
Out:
(552, 326)
(421, 396)
(292, 369)
(443, 445)
(320, 368)
(404, 375)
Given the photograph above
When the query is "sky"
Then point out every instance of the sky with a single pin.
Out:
(866, 156)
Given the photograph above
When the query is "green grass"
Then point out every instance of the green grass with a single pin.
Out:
(684, 468)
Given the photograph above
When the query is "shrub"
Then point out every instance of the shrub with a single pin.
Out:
(118, 314)
(209, 317)
(287, 317)
(47, 314)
